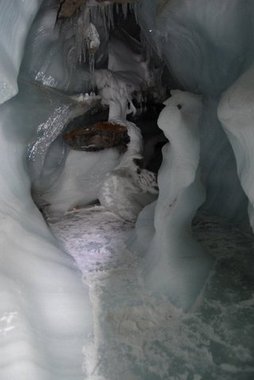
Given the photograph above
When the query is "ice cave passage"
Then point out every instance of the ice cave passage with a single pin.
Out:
(126, 190)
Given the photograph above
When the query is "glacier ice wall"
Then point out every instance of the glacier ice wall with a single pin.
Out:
(50, 56)
(53, 55)
(15, 23)
(44, 309)
(207, 46)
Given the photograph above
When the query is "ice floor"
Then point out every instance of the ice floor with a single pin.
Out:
(138, 337)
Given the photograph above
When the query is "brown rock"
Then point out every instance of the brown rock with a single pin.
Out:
(102, 135)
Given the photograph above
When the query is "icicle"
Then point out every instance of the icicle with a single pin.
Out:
(125, 10)
(104, 18)
(91, 68)
(117, 9)
(111, 16)
(134, 9)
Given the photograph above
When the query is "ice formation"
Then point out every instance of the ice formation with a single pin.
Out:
(128, 188)
(46, 324)
(175, 258)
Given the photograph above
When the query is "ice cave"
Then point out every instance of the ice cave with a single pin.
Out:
(127, 190)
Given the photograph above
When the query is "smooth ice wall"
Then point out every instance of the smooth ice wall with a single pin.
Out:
(16, 20)
(52, 52)
(207, 46)
(44, 309)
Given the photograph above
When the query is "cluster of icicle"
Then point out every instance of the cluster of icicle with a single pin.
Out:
(91, 14)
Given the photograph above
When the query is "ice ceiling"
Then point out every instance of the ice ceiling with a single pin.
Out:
(53, 326)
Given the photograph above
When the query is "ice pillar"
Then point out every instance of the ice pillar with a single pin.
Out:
(178, 266)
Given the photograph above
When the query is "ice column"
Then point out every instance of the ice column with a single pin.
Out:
(177, 265)
(236, 113)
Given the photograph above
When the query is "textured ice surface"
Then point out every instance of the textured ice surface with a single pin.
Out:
(93, 236)
(141, 337)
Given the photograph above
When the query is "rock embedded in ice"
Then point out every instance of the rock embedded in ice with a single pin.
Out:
(102, 135)
(236, 113)
(176, 265)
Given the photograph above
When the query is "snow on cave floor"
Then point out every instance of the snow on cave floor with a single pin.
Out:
(138, 337)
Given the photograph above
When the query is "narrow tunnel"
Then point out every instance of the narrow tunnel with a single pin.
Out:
(126, 201)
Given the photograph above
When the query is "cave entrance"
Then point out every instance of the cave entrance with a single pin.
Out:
(97, 150)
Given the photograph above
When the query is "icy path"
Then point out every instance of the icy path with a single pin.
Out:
(138, 337)
(94, 237)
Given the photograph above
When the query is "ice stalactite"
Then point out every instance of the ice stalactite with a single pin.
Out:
(236, 113)
(178, 265)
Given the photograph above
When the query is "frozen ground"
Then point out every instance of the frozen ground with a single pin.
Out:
(139, 337)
